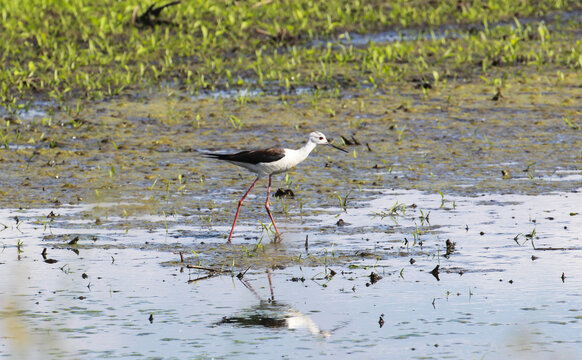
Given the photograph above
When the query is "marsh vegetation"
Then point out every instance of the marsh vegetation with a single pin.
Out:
(451, 228)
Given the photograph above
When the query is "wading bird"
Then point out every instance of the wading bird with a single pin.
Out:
(270, 161)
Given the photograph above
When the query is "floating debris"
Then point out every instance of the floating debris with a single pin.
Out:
(374, 278)
(498, 96)
(435, 272)
(284, 193)
(450, 248)
(350, 142)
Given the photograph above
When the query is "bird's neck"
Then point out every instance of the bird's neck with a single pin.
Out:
(307, 148)
(294, 157)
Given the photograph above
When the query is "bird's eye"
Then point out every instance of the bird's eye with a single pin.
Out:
(321, 138)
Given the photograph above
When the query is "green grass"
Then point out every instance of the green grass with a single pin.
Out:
(64, 50)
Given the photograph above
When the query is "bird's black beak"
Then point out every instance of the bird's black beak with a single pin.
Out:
(337, 147)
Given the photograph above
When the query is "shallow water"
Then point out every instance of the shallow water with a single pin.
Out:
(492, 300)
(119, 193)
(451, 31)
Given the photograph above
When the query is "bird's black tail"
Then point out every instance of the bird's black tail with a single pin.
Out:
(213, 155)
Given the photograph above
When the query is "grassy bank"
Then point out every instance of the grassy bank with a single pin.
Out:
(62, 50)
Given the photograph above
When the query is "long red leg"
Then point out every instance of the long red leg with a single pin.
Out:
(240, 202)
(269, 210)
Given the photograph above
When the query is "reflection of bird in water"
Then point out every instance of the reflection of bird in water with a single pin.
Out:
(273, 314)
(269, 162)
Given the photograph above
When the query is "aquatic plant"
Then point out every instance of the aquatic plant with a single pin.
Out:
(343, 201)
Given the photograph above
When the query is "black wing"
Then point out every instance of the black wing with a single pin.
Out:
(253, 156)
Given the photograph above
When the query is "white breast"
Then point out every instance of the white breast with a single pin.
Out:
(292, 158)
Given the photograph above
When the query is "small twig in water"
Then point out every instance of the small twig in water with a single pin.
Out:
(189, 266)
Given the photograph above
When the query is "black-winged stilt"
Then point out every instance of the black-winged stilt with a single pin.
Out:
(270, 161)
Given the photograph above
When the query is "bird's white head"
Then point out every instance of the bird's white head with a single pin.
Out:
(317, 138)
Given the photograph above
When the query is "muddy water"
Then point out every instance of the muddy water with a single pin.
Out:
(117, 192)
